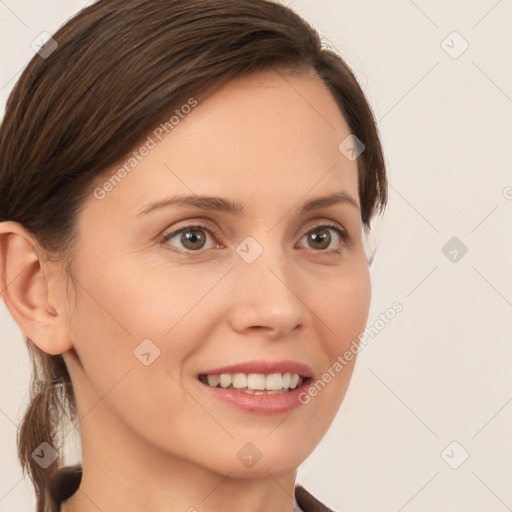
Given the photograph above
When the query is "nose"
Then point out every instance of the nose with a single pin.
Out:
(267, 296)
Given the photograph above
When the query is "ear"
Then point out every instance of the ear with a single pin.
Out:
(25, 289)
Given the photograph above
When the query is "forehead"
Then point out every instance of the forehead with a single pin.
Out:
(266, 134)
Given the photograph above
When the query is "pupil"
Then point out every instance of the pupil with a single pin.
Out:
(192, 236)
(318, 239)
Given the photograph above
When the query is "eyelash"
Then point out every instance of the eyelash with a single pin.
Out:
(345, 238)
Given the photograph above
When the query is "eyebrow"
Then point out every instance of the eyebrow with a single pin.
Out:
(219, 204)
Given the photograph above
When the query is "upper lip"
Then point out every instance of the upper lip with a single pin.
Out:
(265, 367)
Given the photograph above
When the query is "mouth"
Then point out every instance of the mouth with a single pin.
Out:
(258, 386)
(255, 383)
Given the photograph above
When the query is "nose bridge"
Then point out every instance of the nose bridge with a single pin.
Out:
(266, 293)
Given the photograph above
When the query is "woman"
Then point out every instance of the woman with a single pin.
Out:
(201, 377)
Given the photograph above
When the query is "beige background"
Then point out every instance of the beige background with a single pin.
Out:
(440, 371)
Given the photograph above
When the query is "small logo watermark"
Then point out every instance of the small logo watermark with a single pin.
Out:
(249, 249)
(44, 45)
(454, 455)
(351, 147)
(454, 45)
(45, 455)
(454, 249)
(249, 455)
(146, 352)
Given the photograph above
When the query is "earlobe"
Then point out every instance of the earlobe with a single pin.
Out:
(25, 289)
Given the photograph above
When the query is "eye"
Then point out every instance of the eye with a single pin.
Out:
(194, 238)
(320, 237)
(191, 238)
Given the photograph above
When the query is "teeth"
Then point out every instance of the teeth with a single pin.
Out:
(213, 380)
(239, 380)
(274, 381)
(255, 383)
(225, 380)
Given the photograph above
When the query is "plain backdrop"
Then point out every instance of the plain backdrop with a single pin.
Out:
(426, 424)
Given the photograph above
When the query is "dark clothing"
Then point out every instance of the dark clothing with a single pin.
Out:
(67, 480)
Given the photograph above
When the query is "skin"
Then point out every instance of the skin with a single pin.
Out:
(152, 438)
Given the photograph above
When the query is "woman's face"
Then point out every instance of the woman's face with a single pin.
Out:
(284, 282)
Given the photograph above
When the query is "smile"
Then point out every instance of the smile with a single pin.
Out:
(254, 383)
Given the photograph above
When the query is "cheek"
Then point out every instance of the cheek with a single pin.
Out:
(132, 303)
(116, 316)
(344, 309)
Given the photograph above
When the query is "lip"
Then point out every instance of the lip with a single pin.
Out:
(259, 404)
(265, 367)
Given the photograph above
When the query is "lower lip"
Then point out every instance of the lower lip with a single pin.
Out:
(260, 404)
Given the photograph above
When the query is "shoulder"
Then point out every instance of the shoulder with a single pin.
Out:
(307, 502)
(64, 483)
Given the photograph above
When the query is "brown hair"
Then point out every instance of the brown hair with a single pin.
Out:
(119, 66)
